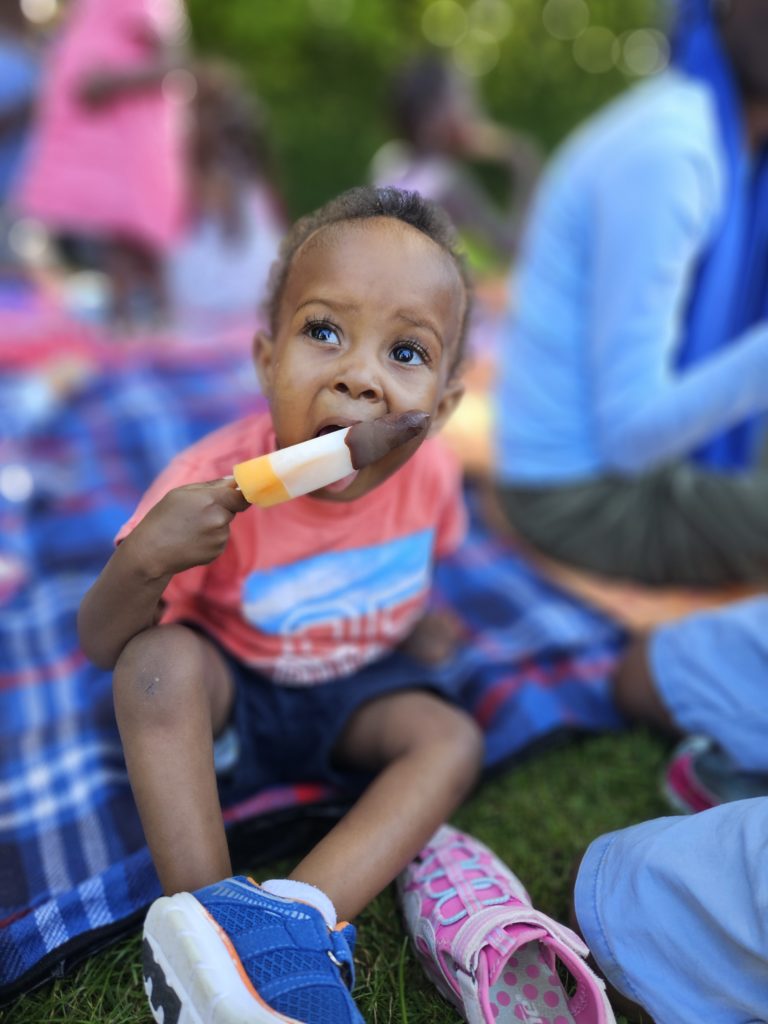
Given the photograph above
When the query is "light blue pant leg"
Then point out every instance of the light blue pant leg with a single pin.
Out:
(711, 671)
(675, 912)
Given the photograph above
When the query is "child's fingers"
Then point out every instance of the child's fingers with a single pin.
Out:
(227, 494)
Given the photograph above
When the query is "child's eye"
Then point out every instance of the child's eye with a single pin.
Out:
(322, 330)
(410, 353)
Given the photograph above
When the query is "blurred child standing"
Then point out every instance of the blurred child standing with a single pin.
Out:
(442, 129)
(106, 159)
(216, 274)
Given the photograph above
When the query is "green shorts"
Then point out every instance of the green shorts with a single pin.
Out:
(679, 524)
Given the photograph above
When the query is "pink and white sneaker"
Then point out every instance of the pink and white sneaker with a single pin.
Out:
(488, 951)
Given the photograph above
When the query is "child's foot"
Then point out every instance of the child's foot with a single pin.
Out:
(485, 947)
(700, 775)
(232, 953)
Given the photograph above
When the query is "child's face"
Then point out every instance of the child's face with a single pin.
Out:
(369, 324)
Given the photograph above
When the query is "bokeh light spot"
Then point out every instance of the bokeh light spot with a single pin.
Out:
(477, 54)
(645, 52)
(179, 85)
(39, 11)
(491, 16)
(15, 482)
(444, 23)
(596, 50)
(565, 19)
(29, 239)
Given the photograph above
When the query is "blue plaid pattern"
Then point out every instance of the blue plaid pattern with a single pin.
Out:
(74, 870)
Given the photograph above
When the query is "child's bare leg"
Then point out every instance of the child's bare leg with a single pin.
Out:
(172, 693)
(635, 691)
(428, 755)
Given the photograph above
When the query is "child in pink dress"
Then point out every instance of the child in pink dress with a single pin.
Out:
(106, 158)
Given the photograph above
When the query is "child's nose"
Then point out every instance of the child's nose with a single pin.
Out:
(357, 382)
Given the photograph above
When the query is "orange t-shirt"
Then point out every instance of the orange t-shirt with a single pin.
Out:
(312, 590)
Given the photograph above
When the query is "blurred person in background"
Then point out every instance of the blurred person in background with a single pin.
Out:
(105, 163)
(217, 272)
(634, 374)
(442, 128)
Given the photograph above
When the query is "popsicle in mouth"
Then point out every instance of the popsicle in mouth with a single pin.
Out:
(322, 461)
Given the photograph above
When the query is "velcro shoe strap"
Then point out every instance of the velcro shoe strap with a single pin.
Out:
(262, 940)
(478, 929)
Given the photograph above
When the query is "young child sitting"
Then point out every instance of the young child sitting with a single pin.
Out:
(274, 625)
(705, 677)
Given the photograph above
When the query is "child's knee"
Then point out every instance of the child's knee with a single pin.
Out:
(157, 670)
(475, 747)
(455, 732)
(469, 740)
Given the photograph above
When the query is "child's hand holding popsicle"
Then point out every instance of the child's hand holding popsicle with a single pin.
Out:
(188, 527)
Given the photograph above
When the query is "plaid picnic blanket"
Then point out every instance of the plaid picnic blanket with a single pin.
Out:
(74, 870)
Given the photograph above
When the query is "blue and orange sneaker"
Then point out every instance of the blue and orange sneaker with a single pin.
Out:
(232, 953)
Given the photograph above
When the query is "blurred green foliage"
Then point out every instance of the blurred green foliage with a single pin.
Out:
(323, 67)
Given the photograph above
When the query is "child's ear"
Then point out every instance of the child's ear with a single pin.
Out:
(263, 359)
(452, 394)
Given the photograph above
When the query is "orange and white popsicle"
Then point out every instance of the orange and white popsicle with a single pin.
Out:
(321, 461)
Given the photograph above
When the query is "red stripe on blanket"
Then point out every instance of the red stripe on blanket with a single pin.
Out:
(546, 677)
(276, 799)
(42, 673)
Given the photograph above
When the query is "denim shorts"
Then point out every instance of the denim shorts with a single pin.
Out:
(281, 734)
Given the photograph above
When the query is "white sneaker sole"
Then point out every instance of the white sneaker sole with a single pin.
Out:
(189, 975)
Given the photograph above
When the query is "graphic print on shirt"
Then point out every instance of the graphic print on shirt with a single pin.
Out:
(336, 611)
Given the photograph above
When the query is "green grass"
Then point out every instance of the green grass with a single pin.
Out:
(537, 817)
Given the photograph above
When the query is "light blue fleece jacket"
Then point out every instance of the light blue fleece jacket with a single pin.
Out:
(588, 383)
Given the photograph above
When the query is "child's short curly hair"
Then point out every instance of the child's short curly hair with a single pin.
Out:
(363, 203)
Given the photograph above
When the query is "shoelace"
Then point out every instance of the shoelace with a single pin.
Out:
(478, 884)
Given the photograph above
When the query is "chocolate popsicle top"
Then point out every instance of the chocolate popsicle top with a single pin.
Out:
(370, 441)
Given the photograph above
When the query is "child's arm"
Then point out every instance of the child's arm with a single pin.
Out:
(188, 527)
(103, 85)
(164, 53)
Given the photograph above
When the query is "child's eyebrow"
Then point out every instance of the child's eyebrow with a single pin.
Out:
(350, 307)
(416, 321)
